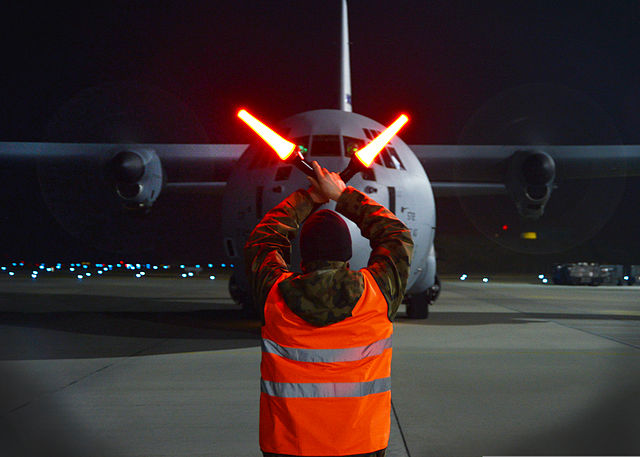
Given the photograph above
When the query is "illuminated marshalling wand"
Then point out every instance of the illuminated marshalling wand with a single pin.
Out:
(286, 150)
(289, 152)
(368, 154)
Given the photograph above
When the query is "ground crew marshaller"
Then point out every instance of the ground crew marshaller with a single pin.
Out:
(326, 334)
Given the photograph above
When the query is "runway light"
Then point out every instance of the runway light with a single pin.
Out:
(4, 268)
(11, 273)
(138, 275)
(99, 272)
(626, 278)
(72, 269)
(79, 276)
(212, 277)
(190, 273)
(485, 280)
(463, 277)
(545, 280)
(540, 276)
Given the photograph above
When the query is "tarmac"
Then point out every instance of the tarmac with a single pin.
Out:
(169, 367)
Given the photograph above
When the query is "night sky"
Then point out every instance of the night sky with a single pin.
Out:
(197, 62)
(178, 71)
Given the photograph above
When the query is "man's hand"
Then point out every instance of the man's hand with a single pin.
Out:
(326, 185)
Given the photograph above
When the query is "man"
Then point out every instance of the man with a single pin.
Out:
(326, 335)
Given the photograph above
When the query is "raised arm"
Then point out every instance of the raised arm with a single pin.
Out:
(391, 244)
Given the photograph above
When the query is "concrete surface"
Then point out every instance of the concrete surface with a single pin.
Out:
(497, 369)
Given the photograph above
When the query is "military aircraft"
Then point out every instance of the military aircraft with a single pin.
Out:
(106, 193)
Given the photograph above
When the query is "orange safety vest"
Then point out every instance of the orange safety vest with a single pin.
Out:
(326, 390)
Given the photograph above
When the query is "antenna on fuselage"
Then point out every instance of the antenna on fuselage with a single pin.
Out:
(345, 65)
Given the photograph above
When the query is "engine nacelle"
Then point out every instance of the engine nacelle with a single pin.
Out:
(530, 177)
(136, 176)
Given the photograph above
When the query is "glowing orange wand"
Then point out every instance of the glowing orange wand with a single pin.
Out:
(368, 154)
(285, 149)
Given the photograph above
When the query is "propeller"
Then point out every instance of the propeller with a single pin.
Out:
(549, 208)
(99, 180)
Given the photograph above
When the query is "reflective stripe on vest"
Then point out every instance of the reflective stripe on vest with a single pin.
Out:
(325, 389)
(326, 355)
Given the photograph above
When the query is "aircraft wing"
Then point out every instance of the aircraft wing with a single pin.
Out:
(185, 165)
(482, 170)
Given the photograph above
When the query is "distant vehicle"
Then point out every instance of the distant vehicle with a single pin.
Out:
(594, 274)
(581, 273)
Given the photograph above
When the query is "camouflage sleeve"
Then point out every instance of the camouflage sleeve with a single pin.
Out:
(268, 249)
(391, 244)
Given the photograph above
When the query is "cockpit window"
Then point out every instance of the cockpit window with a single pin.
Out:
(384, 154)
(325, 145)
(396, 158)
(351, 145)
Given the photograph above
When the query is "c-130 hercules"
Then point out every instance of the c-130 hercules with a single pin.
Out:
(127, 179)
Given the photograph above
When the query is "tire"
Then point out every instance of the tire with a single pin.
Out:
(418, 305)
(434, 291)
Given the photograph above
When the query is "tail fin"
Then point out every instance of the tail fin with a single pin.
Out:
(345, 65)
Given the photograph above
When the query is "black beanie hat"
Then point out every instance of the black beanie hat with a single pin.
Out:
(325, 236)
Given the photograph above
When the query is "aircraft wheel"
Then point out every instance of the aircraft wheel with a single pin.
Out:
(418, 305)
(434, 291)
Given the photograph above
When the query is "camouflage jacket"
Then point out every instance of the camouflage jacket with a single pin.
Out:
(328, 291)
